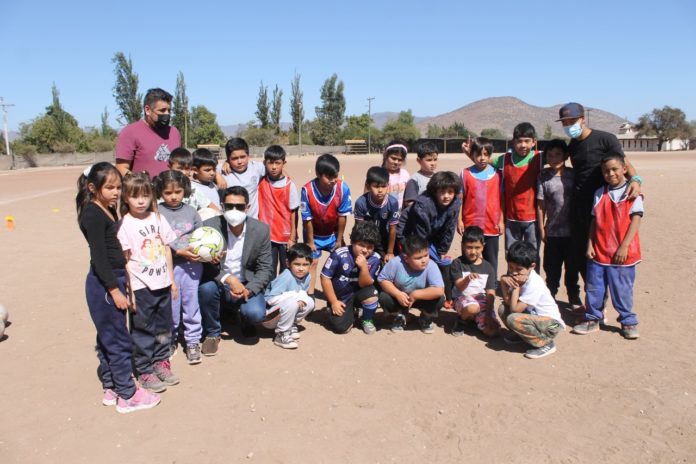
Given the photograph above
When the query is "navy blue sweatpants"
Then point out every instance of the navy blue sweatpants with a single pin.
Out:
(151, 327)
(114, 344)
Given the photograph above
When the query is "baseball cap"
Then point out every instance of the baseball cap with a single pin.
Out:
(571, 111)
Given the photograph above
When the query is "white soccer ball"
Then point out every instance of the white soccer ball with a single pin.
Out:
(4, 314)
(2, 329)
(207, 243)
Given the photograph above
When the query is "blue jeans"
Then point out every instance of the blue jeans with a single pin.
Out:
(620, 280)
(212, 295)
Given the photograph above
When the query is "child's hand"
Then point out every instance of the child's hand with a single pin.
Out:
(338, 308)
(300, 305)
(404, 300)
(188, 254)
(388, 257)
(175, 291)
(633, 190)
(226, 168)
(312, 246)
(501, 226)
(340, 242)
(472, 276)
(120, 300)
(590, 251)
(621, 254)
(360, 261)
(509, 281)
(460, 227)
(466, 147)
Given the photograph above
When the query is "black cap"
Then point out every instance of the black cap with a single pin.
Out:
(571, 111)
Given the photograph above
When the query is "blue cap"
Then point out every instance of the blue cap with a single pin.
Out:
(571, 111)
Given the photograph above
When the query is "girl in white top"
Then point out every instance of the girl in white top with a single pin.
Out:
(394, 158)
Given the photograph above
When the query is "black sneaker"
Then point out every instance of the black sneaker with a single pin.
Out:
(426, 325)
(399, 323)
(459, 328)
(249, 330)
(575, 302)
(542, 351)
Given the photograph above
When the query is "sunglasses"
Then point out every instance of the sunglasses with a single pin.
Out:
(237, 206)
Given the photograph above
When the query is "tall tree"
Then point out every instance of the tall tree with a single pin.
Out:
(262, 107)
(548, 132)
(276, 108)
(493, 133)
(181, 118)
(55, 131)
(128, 99)
(204, 127)
(106, 130)
(331, 113)
(666, 124)
(296, 104)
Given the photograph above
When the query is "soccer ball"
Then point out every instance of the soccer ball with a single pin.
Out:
(207, 243)
(4, 314)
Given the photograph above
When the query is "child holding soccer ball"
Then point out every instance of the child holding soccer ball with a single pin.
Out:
(172, 187)
(99, 188)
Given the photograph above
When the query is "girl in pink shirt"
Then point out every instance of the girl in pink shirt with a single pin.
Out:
(145, 236)
(394, 158)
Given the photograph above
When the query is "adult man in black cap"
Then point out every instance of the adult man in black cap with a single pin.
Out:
(587, 147)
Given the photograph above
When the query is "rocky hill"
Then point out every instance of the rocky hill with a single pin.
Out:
(505, 112)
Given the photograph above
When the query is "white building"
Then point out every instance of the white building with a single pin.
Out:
(630, 141)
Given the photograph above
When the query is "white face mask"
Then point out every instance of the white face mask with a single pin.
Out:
(234, 217)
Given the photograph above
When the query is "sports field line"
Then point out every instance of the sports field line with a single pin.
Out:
(35, 195)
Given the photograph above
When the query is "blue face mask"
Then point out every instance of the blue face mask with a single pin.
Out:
(573, 131)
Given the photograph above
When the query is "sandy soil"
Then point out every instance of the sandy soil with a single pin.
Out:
(351, 398)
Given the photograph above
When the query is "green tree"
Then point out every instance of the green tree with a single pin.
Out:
(492, 133)
(296, 105)
(331, 113)
(262, 107)
(181, 118)
(204, 127)
(107, 131)
(666, 124)
(434, 131)
(403, 127)
(276, 108)
(55, 131)
(128, 99)
(548, 132)
(358, 126)
(258, 136)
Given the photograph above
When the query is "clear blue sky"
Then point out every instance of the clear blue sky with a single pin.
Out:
(626, 57)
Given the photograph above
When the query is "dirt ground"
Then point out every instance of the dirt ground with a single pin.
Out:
(351, 398)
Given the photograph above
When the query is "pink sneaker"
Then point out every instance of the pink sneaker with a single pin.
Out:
(142, 399)
(109, 398)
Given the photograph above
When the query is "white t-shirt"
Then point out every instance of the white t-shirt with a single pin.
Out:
(233, 258)
(616, 195)
(248, 179)
(209, 190)
(536, 295)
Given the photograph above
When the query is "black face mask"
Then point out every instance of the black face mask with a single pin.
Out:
(163, 120)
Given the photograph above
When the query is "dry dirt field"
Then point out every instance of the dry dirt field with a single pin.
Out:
(351, 398)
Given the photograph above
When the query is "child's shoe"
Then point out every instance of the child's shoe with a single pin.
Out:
(542, 351)
(163, 370)
(630, 332)
(426, 325)
(152, 382)
(295, 332)
(368, 327)
(399, 323)
(586, 327)
(110, 398)
(284, 340)
(575, 303)
(142, 399)
(210, 346)
(459, 328)
(193, 353)
(172, 350)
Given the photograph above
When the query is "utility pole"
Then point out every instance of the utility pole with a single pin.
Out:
(587, 110)
(4, 120)
(369, 124)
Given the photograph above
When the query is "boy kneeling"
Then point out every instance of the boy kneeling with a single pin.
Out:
(528, 308)
(412, 280)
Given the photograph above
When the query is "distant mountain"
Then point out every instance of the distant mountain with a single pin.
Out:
(502, 113)
(505, 113)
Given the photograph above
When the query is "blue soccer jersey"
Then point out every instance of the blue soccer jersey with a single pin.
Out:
(341, 269)
(383, 216)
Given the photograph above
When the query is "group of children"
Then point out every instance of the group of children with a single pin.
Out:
(397, 257)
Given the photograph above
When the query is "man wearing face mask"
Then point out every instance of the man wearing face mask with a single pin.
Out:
(587, 147)
(145, 145)
(240, 277)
